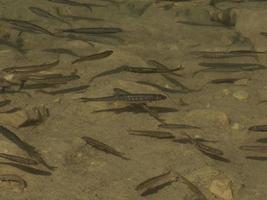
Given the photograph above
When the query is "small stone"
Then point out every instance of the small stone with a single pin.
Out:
(242, 82)
(241, 95)
(207, 118)
(236, 126)
(222, 188)
(226, 92)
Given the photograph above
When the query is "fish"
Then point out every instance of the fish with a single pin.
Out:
(259, 158)
(261, 149)
(152, 185)
(62, 51)
(207, 149)
(43, 13)
(66, 90)
(27, 26)
(14, 178)
(97, 56)
(131, 98)
(29, 149)
(38, 86)
(5, 102)
(159, 65)
(192, 187)
(178, 126)
(188, 141)
(200, 24)
(103, 147)
(225, 80)
(31, 68)
(18, 159)
(153, 134)
(27, 169)
(263, 33)
(77, 4)
(77, 17)
(258, 128)
(161, 88)
(94, 30)
(262, 140)
(136, 109)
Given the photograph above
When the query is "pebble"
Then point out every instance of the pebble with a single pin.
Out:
(222, 188)
(207, 118)
(241, 95)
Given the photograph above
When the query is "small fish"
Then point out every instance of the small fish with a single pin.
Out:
(38, 86)
(14, 178)
(78, 4)
(66, 90)
(27, 26)
(28, 169)
(262, 140)
(29, 149)
(31, 68)
(103, 147)
(263, 33)
(259, 158)
(95, 30)
(62, 51)
(225, 80)
(18, 159)
(161, 88)
(258, 128)
(147, 70)
(199, 24)
(153, 134)
(162, 66)
(261, 149)
(207, 149)
(74, 17)
(178, 126)
(153, 184)
(131, 98)
(97, 56)
(5, 102)
(43, 13)
(136, 109)
(188, 141)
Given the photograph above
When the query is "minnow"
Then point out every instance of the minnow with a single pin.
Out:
(136, 109)
(126, 68)
(62, 51)
(258, 128)
(153, 134)
(199, 24)
(18, 159)
(178, 126)
(151, 185)
(66, 90)
(28, 169)
(97, 56)
(261, 149)
(262, 140)
(161, 88)
(5, 102)
(131, 98)
(78, 4)
(29, 149)
(259, 158)
(95, 30)
(103, 147)
(14, 178)
(43, 13)
(74, 17)
(31, 68)
(189, 141)
(27, 26)
(225, 80)
(159, 65)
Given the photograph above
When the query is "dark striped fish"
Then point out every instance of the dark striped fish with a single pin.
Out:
(153, 134)
(27, 169)
(258, 128)
(95, 30)
(261, 149)
(178, 126)
(97, 56)
(43, 13)
(27, 26)
(18, 159)
(78, 4)
(14, 178)
(103, 147)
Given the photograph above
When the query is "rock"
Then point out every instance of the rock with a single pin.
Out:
(241, 95)
(222, 188)
(207, 117)
(23, 118)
